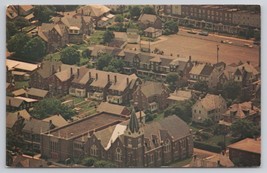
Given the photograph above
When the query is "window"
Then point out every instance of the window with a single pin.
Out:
(53, 146)
(151, 158)
(199, 112)
(167, 146)
(118, 154)
(93, 150)
(130, 142)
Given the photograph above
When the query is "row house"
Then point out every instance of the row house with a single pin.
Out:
(151, 96)
(19, 103)
(210, 107)
(107, 86)
(205, 72)
(125, 143)
(33, 93)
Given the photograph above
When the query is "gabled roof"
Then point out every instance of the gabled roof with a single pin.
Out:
(211, 102)
(248, 68)
(56, 120)
(83, 76)
(202, 69)
(247, 145)
(36, 126)
(111, 108)
(19, 65)
(147, 18)
(157, 130)
(37, 92)
(93, 10)
(26, 7)
(12, 117)
(11, 12)
(180, 95)
(149, 88)
(48, 68)
(14, 102)
(19, 92)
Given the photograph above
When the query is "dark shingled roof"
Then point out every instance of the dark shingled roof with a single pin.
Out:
(133, 123)
(157, 130)
(207, 70)
(150, 88)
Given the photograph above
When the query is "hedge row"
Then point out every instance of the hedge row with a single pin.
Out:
(208, 147)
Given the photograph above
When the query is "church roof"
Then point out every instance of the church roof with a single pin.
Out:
(133, 123)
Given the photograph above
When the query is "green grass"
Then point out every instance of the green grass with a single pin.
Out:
(181, 163)
(159, 117)
(53, 56)
(21, 84)
(77, 100)
(96, 37)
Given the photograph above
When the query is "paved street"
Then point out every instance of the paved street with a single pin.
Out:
(204, 48)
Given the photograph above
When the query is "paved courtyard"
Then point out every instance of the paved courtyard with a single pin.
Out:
(204, 48)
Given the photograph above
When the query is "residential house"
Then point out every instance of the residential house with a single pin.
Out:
(32, 131)
(20, 70)
(77, 26)
(126, 143)
(33, 93)
(54, 35)
(180, 95)
(16, 104)
(100, 14)
(246, 153)
(24, 10)
(210, 107)
(113, 109)
(152, 32)
(245, 110)
(61, 81)
(11, 12)
(205, 72)
(149, 20)
(214, 161)
(13, 117)
(42, 77)
(151, 96)
(56, 120)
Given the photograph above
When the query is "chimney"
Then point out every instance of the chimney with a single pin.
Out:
(18, 115)
(140, 114)
(78, 72)
(252, 106)
(71, 71)
(53, 69)
(115, 79)
(96, 76)
(190, 58)
(127, 81)
(90, 75)
(219, 163)
(108, 78)
(248, 62)
(59, 68)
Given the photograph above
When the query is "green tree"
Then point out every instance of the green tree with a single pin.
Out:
(43, 13)
(103, 61)
(115, 65)
(35, 49)
(104, 164)
(21, 22)
(150, 116)
(17, 44)
(70, 55)
(108, 36)
(14, 141)
(243, 128)
(89, 161)
(172, 79)
(149, 10)
(119, 18)
(170, 27)
(182, 109)
(11, 29)
(135, 12)
(201, 86)
(231, 90)
(51, 106)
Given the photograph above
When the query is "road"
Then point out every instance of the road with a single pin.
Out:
(204, 48)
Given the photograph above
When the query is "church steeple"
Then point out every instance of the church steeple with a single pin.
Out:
(133, 123)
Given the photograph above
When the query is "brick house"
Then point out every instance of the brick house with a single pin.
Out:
(151, 96)
(54, 35)
(246, 153)
(126, 143)
(43, 75)
(210, 107)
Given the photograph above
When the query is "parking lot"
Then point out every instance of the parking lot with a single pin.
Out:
(204, 48)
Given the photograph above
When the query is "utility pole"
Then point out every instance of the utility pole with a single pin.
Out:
(217, 53)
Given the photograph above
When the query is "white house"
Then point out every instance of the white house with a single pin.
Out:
(211, 106)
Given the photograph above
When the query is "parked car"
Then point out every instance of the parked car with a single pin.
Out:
(192, 31)
(204, 33)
